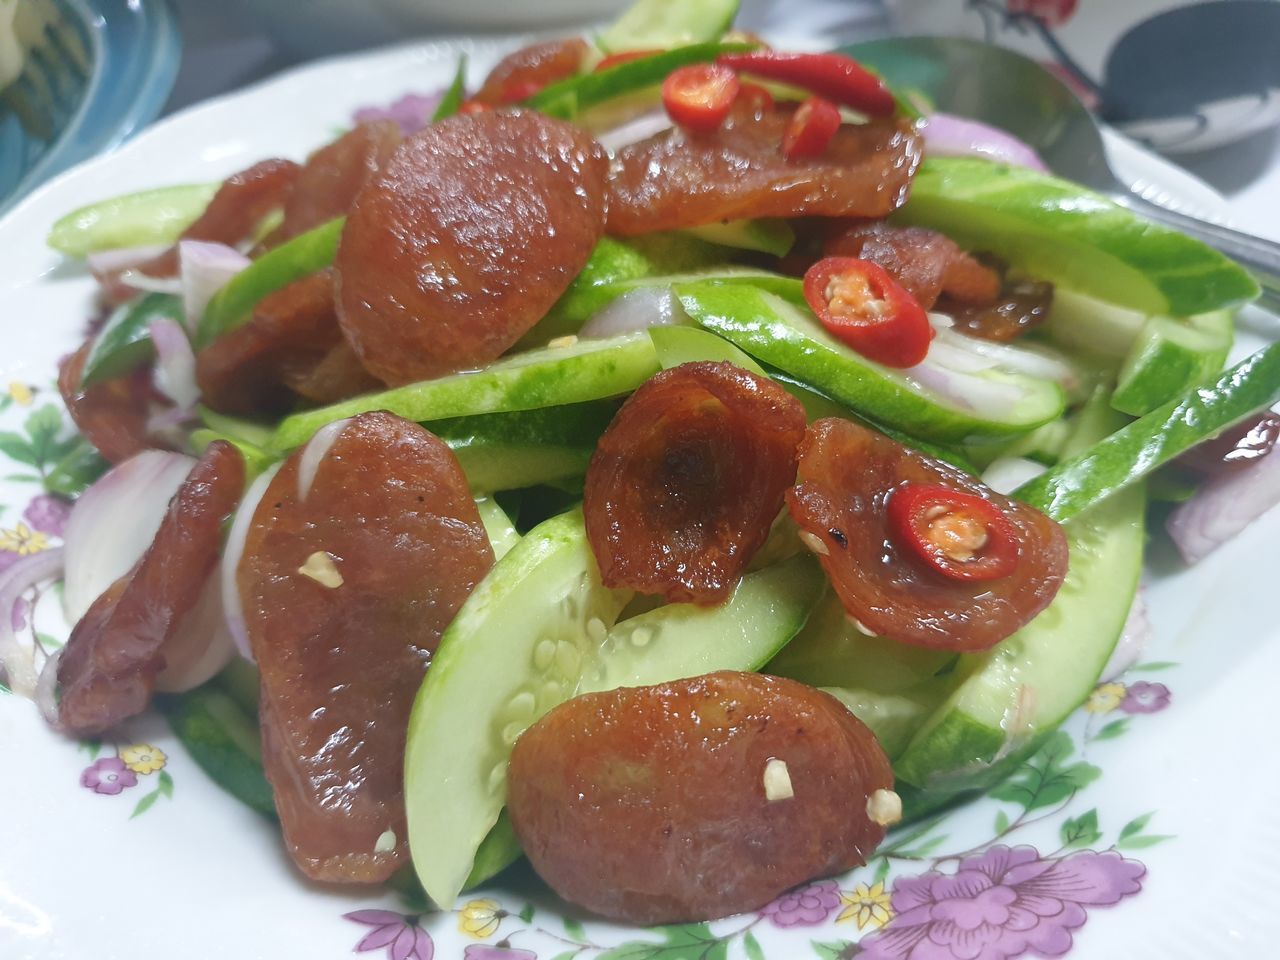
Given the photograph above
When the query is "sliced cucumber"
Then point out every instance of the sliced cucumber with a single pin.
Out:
(256, 459)
(1092, 326)
(501, 531)
(133, 220)
(893, 717)
(124, 342)
(514, 651)
(1138, 448)
(239, 428)
(679, 640)
(786, 336)
(1022, 689)
(1059, 231)
(764, 235)
(656, 24)
(294, 259)
(507, 451)
(546, 377)
(1169, 356)
(218, 725)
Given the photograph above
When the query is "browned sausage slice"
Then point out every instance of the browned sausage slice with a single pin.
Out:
(356, 560)
(695, 799)
(465, 240)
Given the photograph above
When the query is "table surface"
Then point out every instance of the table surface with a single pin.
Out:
(225, 51)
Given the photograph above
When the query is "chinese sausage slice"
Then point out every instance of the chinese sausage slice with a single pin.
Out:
(685, 483)
(917, 550)
(109, 666)
(362, 549)
(465, 239)
(699, 798)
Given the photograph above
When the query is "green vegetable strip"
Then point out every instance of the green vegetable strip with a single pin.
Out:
(456, 93)
(1142, 446)
(124, 343)
(132, 220)
(591, 370)
(299, 257)
(566, 98)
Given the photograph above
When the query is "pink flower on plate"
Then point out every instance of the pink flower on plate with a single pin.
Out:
(805, 906)
(398, 934)
(108, 776)
(412, 112)
(1052, 13)
(1145, 697)
(478, 951)
(48, 513)
(1000, 905)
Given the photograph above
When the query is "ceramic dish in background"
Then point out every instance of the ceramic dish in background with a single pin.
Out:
(1149, 832)
(112, 64)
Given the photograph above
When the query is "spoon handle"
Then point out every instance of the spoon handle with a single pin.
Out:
(1260, 257)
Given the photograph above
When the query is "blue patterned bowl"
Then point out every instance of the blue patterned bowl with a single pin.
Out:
(115, 63)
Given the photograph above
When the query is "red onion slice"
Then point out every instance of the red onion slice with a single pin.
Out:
(634, 130)
(110, 261)
(1007, 474)
(315, 451)
(1224, 506)
(46, 695)
(635, 310)
(968, 391)
(17, 660)
(113, 523)
(232, 608)
(201, 646)
(175, 374)
(204, 269)
(946, 135)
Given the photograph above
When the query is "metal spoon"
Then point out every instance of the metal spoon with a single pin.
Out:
(1009, 91)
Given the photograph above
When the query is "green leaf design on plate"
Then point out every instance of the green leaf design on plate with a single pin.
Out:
(1047, 779)
(1113, 729)
(1154, 666)
(752, 946)
(574, 929)
(1081, 831)
(145, 804)
(1139, 843)
(1136, 825)
(166, 784)
(834, 950)
(686, 941)
(1002, 822)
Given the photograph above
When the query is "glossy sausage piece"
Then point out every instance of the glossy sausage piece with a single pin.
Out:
(696, 799)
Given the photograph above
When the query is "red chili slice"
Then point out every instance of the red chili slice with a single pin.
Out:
(830, 75)
(812, 128)
(861, 305)
(847, 481)
(698, 97)
(350, 573)
(958, 534)
(109, 666)
(756, 97)
(687, 480)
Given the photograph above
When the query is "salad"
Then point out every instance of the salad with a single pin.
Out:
(664, 464)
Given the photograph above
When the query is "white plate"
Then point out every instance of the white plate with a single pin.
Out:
(169, 866)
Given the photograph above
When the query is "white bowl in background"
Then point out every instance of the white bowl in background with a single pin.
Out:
(1178, 76)
(307, 28)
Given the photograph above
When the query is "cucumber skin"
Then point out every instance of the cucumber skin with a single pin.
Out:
(1170, 356)
(299, 257)
(980, 752)
(1133, 451)
(124, 342)
(133, 220)
(1062, 232)
(592, 370)
(646, 24)
(753, 320)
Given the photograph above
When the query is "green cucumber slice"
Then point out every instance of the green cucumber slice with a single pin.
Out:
(1138, 448)
(1091, 326)
(294, 259)
(1169, 356)
(124, 342)
(455, 94)
(514, 651)
(501, 531)
(546, 377)
(786, 336)
(655, 24)
(219, 728)
(251, 431)
(764, 235)
(893, 717)
(566, 98)
(1059, 231)
(678, 640)
(256, 459)
(133, 220)
(1021, 690)
(507, 451)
